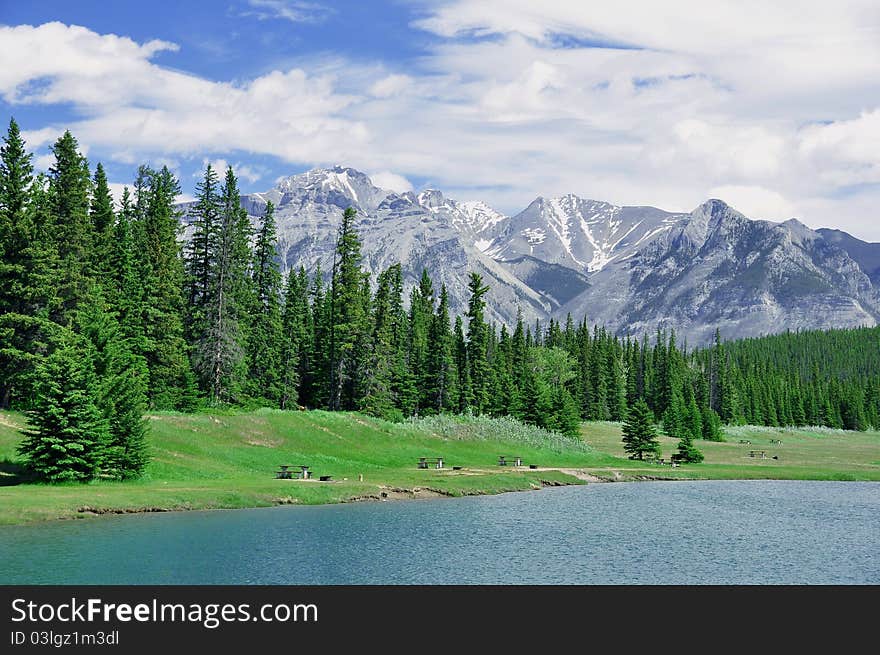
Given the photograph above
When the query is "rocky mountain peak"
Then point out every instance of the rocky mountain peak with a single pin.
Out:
(340, 185)
(432, 199)
(630, 268)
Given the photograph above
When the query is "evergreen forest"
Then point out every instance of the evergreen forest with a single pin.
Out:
(106, 312)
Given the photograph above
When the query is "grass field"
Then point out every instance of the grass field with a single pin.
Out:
(206, 461)
(227, 461)
(804, 454)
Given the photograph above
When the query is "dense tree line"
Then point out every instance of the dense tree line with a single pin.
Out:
(104, 312)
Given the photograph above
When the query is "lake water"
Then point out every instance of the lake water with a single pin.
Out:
(626, 533)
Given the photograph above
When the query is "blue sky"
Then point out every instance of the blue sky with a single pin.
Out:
(774, 109)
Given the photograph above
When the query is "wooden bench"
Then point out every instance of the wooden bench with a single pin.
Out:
(430, 462)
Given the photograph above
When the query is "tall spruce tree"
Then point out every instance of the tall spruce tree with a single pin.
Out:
(103, 220)
(465, 393)
(421, 312)
(347, 321)
(639, 433)
(202, 250)
(478, 344)
(219, 343)
(441, 381)
(69, 190)
(16, 178)
(162, 343)
(379, 398)
(265, 333)
(296, 338)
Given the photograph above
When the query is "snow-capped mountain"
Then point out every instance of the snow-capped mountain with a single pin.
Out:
(630, 268)
(717, 268)
(581, 234)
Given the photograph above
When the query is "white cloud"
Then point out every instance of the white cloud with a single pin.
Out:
(777, 105)
(242, 171)
(292, 10)
(116, 189)
(756, 202)
(43, 163)
(390, 85)
(391, 181)
(133, 105)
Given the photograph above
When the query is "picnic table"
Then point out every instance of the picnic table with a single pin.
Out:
(760, 454)
(430, 462)
(502, 461)
(284, 472)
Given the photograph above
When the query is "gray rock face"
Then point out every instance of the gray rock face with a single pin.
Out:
(866, 255)
(630, 268)
(719, 269)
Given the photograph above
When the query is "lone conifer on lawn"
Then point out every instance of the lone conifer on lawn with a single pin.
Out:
(639, 434)
(687, 452)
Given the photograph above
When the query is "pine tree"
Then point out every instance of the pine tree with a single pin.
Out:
(465, 394)
(316, 378)
(478, 343)
(127, 453)
(219, 352)
(566, 415)
(693, 419)
(161, 341)
(618, 384)
(17, 265)
(441, 381)
(639, 434)
(103, 219)
(68, 432)
(121, 390)
(687, 452)
(126, 293)
(69, 189)
(296, 337)
(711, 425)
(201, 252)
(598, 409)
(348, 320)
(537, 396)
(379, 397)
(406, 393)
(421, 312)
(16, 178)
(264, 342)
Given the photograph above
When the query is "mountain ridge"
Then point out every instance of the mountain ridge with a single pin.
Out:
(631, 268)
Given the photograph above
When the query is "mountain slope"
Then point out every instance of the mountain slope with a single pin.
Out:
(630, 268)
(865, 254)
(721, 269)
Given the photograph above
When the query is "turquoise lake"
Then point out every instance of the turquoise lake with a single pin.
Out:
(755, 532)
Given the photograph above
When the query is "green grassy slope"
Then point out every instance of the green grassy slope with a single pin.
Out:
(229, 460)
(804, 454)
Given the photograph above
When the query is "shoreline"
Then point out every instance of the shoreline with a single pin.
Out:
(383, 493)
(386, 493)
